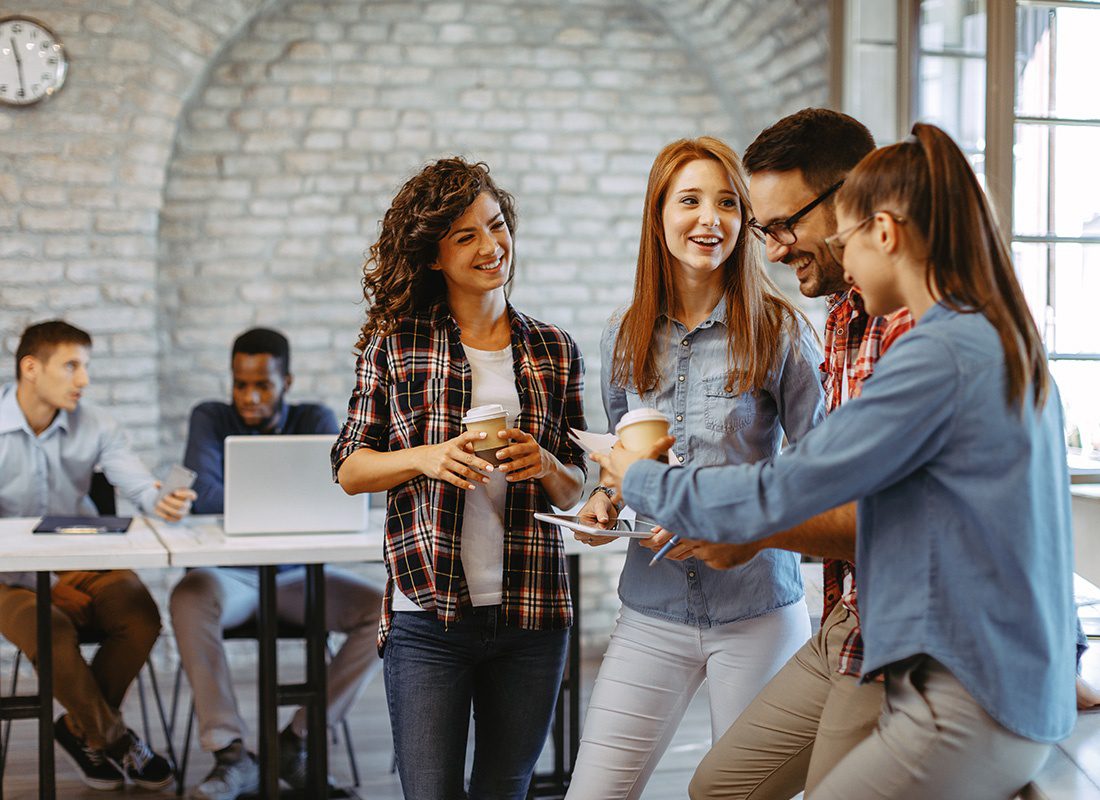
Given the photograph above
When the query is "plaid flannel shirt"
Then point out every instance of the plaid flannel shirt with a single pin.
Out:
(412, 389)
(854, 342)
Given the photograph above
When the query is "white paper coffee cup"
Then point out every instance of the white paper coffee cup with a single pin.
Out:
(641, 428)
(487, 419)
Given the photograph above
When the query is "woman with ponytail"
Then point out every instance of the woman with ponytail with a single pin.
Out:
(965, 549)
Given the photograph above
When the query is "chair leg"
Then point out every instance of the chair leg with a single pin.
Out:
(352, 761)
(165, 727)
(144, 710)
(186, 751)
(5, 738)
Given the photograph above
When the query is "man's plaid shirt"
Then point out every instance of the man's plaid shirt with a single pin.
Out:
(854, 342)
(412, 389)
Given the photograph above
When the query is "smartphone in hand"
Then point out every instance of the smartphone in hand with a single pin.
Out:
(179, 477)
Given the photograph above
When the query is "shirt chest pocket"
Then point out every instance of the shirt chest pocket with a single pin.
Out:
(724, 408)
(418, 412)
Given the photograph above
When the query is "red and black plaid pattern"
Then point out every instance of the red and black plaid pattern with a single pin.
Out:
(412, 389)
(854, 342)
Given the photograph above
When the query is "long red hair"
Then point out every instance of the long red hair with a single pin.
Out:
(756, 311)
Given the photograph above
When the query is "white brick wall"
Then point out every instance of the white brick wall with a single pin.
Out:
(221, 163)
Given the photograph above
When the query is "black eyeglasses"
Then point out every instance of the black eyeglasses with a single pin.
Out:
(782, 232)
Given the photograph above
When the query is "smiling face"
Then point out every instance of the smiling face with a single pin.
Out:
(259, 386)
(867, 263)
(59, 381)
(475, 256)
(779, 195)
(701, 216)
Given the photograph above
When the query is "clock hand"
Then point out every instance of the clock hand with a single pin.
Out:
(18, 65)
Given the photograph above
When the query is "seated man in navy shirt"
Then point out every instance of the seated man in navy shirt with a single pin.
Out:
(208, 600)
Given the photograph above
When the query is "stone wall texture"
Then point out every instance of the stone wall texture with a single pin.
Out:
(214, 164)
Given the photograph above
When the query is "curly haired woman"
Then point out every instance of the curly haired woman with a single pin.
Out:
(477, 605)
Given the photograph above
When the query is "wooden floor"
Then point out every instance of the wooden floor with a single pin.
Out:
(370, 732)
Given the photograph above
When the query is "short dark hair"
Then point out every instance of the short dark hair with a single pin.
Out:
(42, 339)
(824, 145)
(263, 341)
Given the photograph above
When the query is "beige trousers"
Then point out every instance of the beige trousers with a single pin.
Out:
(122, 613)
(933, 740)
(804, 721)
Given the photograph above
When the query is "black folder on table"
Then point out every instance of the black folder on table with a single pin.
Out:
(57, 524)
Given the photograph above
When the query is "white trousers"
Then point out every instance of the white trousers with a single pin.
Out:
(649, 674)
(208, 600)
(933, 740)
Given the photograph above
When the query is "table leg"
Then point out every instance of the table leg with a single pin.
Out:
(316, 681)
(44, 604)
(574, 713)
(267, 689)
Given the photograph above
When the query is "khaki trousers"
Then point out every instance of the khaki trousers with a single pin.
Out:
(933, 740)
(803, 722)
(122, 613)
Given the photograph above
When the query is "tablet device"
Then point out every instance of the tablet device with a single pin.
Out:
(57, 524)
(630, 528)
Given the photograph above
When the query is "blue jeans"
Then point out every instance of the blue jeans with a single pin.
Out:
(433, 675)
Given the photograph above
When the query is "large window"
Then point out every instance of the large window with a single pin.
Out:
(1056, 197)
(1027, 114)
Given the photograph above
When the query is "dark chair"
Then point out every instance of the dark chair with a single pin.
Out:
(250, 631)
(102, 494)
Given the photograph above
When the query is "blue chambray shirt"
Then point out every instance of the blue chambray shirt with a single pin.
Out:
(51, 473)
(713, 425)
(965, 548)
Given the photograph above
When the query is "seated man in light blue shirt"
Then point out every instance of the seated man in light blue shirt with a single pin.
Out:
(209, 600)
(49, 445)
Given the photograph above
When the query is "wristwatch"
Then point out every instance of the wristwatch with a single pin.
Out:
(612, 495)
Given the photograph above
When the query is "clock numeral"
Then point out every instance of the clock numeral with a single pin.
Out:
(45, 77)
(52, 61)
(20, 94)
(3, 88)
(16, 28)
(34, 90)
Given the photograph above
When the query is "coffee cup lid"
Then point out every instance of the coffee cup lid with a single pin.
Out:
(640, 415)
(479, 413)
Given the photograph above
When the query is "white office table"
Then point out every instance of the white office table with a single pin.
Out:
(25, 551)
(200, 541)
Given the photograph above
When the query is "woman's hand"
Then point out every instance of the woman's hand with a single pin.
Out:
(598, 511)
(526, 458)
(454, 461)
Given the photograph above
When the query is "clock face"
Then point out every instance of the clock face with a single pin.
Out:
(32, 62)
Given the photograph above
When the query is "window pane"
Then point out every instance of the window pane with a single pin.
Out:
(1067, 202)
(952, 25)
(1056, 61)
(1032, 171)
(951, 92)
(1031, 261)
(1077, 382)
(953, 97)
(1076, 294)
(1076, 198)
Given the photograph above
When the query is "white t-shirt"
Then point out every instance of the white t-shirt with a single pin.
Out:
(482, 545)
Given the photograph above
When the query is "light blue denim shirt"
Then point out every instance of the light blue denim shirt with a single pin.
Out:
(965, 548)
(716, 425)
(51, 473)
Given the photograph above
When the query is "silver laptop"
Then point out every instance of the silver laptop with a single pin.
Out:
(283, 484)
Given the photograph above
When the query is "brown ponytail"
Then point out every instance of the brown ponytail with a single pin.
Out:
(927, 179)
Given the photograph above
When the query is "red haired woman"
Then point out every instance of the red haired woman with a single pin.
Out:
(708, 340)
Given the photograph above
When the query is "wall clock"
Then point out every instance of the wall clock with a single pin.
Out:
(32, 61)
